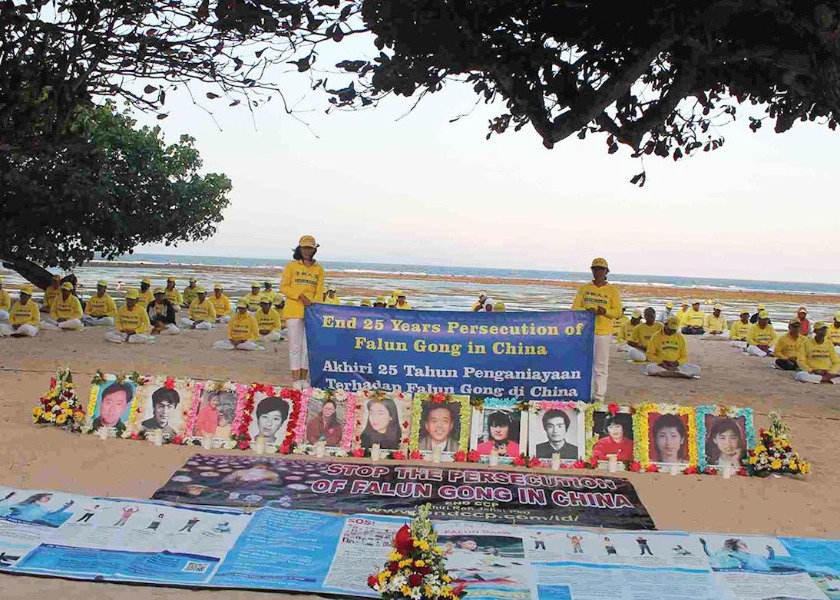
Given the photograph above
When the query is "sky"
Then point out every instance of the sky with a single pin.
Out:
(386, 186)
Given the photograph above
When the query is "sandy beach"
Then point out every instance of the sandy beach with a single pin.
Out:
(43, 457)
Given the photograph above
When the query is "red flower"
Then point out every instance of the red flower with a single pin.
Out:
(405, 440)
(372, 580)
(424, 570)
(244, 445)
(635, 466)
(473, 456)
(177, 440)
(520, 461)
(742, 471)
(169, 383)
(460, 456)
(613, 408)
(579, 464)
(403, 542)
(458, 590)
(398, 455)
(534, 462)
(136, 436)
(405, 424)
(53, 382)
(415, 579)
(439, 398)
(358, 452)
(593, 463)
(710, 471)
(393, 566)
(286, 446)
(652, 468)
(416, 455)
(692, 470)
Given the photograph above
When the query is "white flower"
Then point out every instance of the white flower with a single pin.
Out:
(341, 453)
(230, 444)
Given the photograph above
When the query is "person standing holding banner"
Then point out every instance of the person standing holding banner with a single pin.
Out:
(604, 300)
(302, 284)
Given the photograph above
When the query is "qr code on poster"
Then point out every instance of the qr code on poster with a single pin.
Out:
(195, 567)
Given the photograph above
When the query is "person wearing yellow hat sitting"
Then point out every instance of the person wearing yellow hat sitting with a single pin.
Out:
(253, 299)
(626, 332)
(242, 330)
(65, 311)
(190, 293)
(131, 323)
(172, 294)
(818, 361)
(805, 324)
(51, 292)
(499, 307)
(162, 314)
(392, 303)
(24, 316)
(762, 336)
(365, 302)
(268, 321)
(740, 329)
(5, 303)
(221, 303)
(400, 301)
(269, 291)
(330, 297)
(693, 320)
(146, 295)
(620, 322)
(201, 314)
(667, 353)
(604, 300)
(754, 318)
(787, 346)
(715, 324)
(479, 305)
(667, 313)
(100, 309)
(302, 285)
(684, 307)
(834, 330)
(380, 302)
(642, 334)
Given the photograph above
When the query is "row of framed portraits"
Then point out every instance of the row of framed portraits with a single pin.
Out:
(244, 416)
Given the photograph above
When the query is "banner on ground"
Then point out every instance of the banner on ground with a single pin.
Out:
(493, 496)
(139, 541)
(540, 355)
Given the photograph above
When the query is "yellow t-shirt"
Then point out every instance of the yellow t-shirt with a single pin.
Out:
(333, 300)
(202, 311)
(68, 309)
(619, 324)
(268, 321)
(253, 301)
(146, 298)
(834, 334)
(814, 356)
(626, 333)
(607, 296)
(667, 348)
(787, 347)
(270, 293)
(644, 332)
(243, 328)
(27, 314)
(405, 306)
(221, 304)
(694, 318)
(136, 320)
(299, 280)
(174, 296)
(189, 294)
(50, 294)
(713, 323)
(100, 306)
(761, 337)
(5, 300)
(739, 331)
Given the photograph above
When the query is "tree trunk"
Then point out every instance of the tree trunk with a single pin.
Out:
(32, 272)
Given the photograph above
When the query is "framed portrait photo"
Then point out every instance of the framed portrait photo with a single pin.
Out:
(273, 414)
(498, 424)
(725, 434)
(556, 428)
(609, 430)
(667, 435)
(382, 418)
(113, 403)
(215, 412)
(440, 423)
(164, 404)
(328, 417)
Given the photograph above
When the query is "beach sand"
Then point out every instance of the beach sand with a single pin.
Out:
(44, 457)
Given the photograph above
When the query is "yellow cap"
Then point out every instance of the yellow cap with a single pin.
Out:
(170, 278)
(217, 286)
(265, 299)
(307, 241)
(673, 323)
(399, 294)
(802, 309)
(26, 289)
(254, 284)
(669, 305)
(695, 302)
(761, 307)
(278, 299)
(158, 290)
(819, 325)
(794, 321)
(67, 286)
(192, 279)
(744, 311)
(102, 282)
(763, 314)
(146, 280)
(637, 314)
(364, 302)
(499, 307)
(132, 294)
(391, 302)
(331, 288)
(718, 306)
(379, 300)
(684, 302)
(200, 290)
(241, 304)
(599, 262)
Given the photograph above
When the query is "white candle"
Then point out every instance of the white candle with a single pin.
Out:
(320, 448)
(727, 471)
(613, 458)
(157, 437)
(103, 433)
(207, 442)
(494, 458)
(555, 462)
(374, 452)
(436, 455)
(259, 445)
(675, 469)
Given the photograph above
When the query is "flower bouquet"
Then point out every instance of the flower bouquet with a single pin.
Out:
(60, 406)
(773, 452)
(416, 568)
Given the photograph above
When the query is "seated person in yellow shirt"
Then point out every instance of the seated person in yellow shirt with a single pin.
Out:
(190, 293)
(221, 303)
(330, 296)
(365, 302)
(51, 292)
(818, 360)
(5, 303)
(201, 314)
(172, 294)
(625, 334)
(268, 321)
(715, 324)
(787, 346)
(253, 299)
(619, 323)
(693, 320)
(243, 332)
(499, 307)
(381, 302)
(100, 309)
(65, 312)
(761, 337)
(268, 291)
(834, 330)
(401, 302)
(132, 322)
(24, 316)
(667, 354)
(146, 295)
(642, 333)
(739, 330)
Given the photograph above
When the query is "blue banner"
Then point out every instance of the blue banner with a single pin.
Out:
(535, 355)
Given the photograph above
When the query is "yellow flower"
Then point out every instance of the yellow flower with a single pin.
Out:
(37, 411)
(776, 464)
(423, 545)
(394, 556)
(805, 468)
(60, 419)
(753, 460)
(793, 465)
(406, 591)
(419, 563)
(383, 577)
(446, 578)
(438, 550)
(760, 448)
(63, 405)
(49, 417)
(405, 563)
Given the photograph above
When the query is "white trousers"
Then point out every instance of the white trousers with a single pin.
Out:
(600, 366)
(622, 347)
(226, 345)
(203, 326)
(224, 319)
(23, 330)
(273, 336)
(170, 329)
(119, 338)
(654, 370)
(804, 377)
(4, 316)
(98, 321)
(756, 351)
(74, 325)
(636, 355)
(739, 344)
(299, 355)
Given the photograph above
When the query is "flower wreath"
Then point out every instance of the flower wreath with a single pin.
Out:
(347, 399)
(641, 429)
(377, 395)
(243, 437)
(733, 412)
(60, 405)
(101, 380)
(440, 398)
(612, 408)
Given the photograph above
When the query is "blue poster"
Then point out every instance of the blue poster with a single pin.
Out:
(535, 355)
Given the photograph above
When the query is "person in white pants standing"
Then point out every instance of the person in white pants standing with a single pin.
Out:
(604, 300)
(818, 358)
(24, 316)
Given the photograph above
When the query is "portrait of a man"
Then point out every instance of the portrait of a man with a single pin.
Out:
(556, 425)
(440, 427)
(164, 414)
(113, 406)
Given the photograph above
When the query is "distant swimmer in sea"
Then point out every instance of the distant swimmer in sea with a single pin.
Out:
(693, 320)
(762, 336)
(787, 346)
(715, 324)
(642, 334)
(740, 329)
(818, 361)
(667, 354)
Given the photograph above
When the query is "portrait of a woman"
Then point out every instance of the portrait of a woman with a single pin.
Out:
(502, 436)
(325, 425)
(725, 444)
(669, 440)
(383, 425)
(615, 438)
